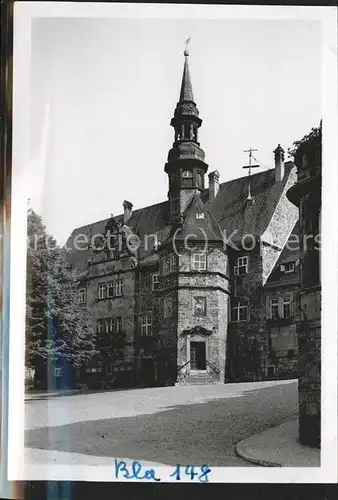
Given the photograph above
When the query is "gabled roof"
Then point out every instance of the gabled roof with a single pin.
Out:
(290, 253)
(227, 211)
(229, 206)
(204, 229)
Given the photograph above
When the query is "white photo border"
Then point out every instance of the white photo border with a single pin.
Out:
(24, 12)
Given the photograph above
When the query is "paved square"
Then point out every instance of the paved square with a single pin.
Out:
(168, 425)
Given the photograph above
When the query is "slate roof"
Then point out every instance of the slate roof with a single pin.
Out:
(206, 229)
(226, 211)
(290, 253)
(145, 221)
(229, 204)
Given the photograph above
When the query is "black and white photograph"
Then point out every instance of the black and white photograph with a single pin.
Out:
(175, 279)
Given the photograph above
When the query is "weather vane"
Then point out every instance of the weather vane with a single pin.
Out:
(187, 41)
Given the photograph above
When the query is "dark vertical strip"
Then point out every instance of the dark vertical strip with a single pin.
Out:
(7, 489)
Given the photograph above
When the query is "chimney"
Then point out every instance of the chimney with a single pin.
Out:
(249, 201)
(213, 184)
(279, 163)
(128, 207)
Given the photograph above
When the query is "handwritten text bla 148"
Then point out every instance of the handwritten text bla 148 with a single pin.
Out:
(135, 470)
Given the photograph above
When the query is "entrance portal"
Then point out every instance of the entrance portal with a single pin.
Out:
(197, 355)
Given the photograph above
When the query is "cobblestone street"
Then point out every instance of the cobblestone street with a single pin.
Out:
(169, 425)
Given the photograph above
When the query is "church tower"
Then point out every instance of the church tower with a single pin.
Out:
(185, 166)
(191, 307)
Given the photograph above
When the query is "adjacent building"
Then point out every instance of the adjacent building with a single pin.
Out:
(306, 195)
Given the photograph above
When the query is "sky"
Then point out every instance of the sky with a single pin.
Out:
(103, 92)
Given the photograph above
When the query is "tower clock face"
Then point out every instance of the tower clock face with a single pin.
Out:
(187, 174)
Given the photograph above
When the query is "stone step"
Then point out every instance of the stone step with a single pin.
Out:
(197, 382)
(197, 378)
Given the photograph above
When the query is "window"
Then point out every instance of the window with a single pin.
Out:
(168, 307)
(109, 325)
(274, 309)
(173, 263)
(57, 372)
(286, 307)
(99, 326)
(102, 292)
(155, 283)
(288, 268)
(280, 307)
(109, 368)
(113, 253)
(239, 312)
(82, 295)
(242, 266)
(146, 324)
(111, 240)
(165, 266)
(200, 215)
(187, 178)
(199, 261)
(200, 304)
(118, 288)
(119, 323)
(199, 180)
(110, 289)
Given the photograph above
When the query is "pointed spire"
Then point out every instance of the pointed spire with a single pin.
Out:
(186, 87)
(186, 121)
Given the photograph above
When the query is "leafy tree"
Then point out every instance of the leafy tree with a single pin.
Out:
(58, 329)
(312, 138)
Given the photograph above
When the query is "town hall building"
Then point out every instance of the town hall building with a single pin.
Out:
(201, 287)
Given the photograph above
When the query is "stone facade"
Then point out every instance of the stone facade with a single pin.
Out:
(109, 287)
(262, 344)
(282, 359)
(203, 298)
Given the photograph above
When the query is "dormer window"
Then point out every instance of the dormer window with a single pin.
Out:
(288, 267)
(200, 215)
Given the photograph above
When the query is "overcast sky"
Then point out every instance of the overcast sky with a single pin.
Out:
(103, 92)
